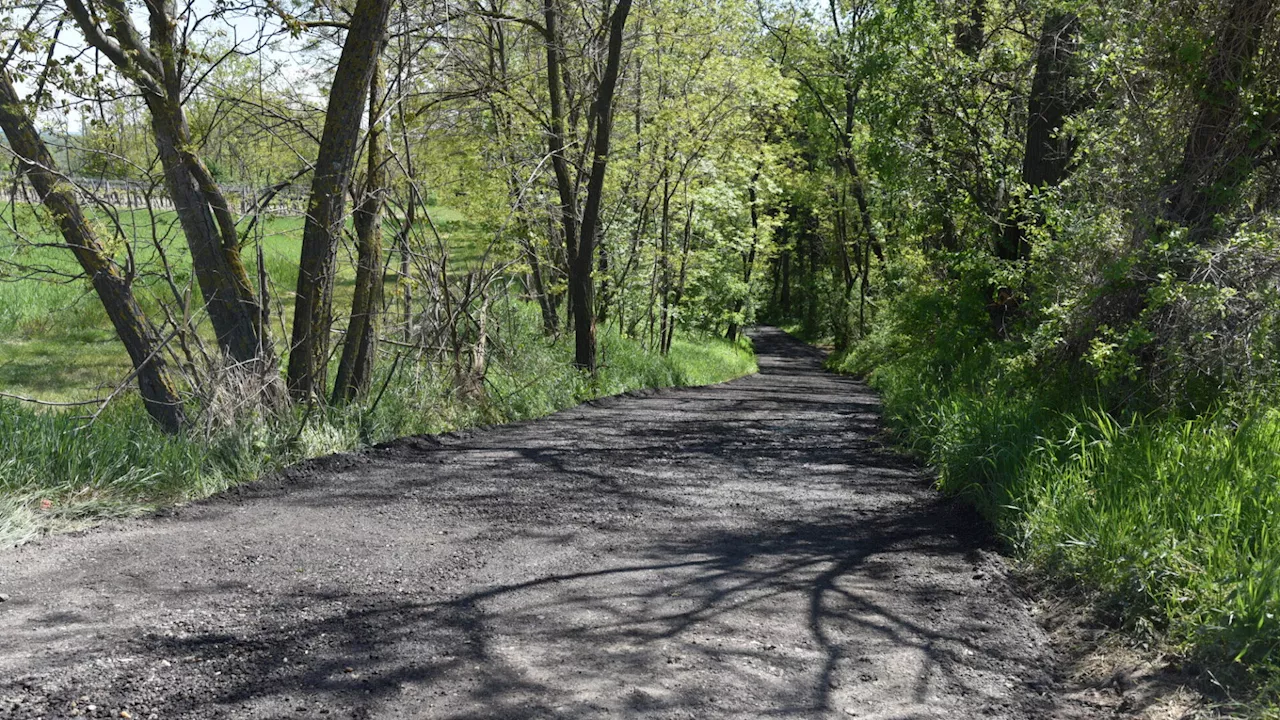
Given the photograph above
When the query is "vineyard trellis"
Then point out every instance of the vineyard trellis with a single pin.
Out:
(289, 201)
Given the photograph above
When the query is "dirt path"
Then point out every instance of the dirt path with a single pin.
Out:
(745, 550)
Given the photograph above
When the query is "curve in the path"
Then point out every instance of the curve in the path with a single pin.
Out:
(744, 550)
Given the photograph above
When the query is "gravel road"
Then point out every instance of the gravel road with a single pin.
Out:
(743, 550)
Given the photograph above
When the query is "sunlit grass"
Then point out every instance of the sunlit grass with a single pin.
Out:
(61, 471)
(56, 343)
(1173, 524)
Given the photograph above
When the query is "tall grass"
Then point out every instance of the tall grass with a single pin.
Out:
(1170, 523)
(59, 471)
(1177, 518)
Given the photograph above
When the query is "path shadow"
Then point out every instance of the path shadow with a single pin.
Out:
(357, 652)
(745, 550)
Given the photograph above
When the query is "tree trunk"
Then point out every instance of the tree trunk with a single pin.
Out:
(556, 134)
(1222, 151)
(602, 268)
(662, 265)
(581, 286)
(159, 392)
(970, 31)
(403, 283)
(784, 298)
(211, 236)
(865, 289)
(1046, 159)
(313, 306)
(202, 209)
(360, 348)
(948, 239)
(845, 140)
(550, 320)
(678, 295)
(749, 258)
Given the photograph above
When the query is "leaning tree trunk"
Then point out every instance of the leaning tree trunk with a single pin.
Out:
(581, 286)
(159, 392)
(224, 282)
(313, 306)
(360, 348)
(152, 65)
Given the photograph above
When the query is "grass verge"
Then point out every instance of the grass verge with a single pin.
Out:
(1169, 525)
(59, 473)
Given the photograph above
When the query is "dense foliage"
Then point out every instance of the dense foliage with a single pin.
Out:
(1048, 233)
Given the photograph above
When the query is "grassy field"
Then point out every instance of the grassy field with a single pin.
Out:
(58, 472)
(56, 343)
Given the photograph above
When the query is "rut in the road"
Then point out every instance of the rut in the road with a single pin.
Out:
(744, 550)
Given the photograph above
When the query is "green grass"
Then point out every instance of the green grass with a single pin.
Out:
(1177, 519)
(58, 471)
(1170, 526)
(539, 382)
(55, 340)
(56, 343)
(61, 472)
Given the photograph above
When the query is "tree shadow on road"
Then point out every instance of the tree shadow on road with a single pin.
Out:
(697, 623)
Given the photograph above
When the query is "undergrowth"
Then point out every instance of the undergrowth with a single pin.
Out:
(1167, 521)
(59, 471)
